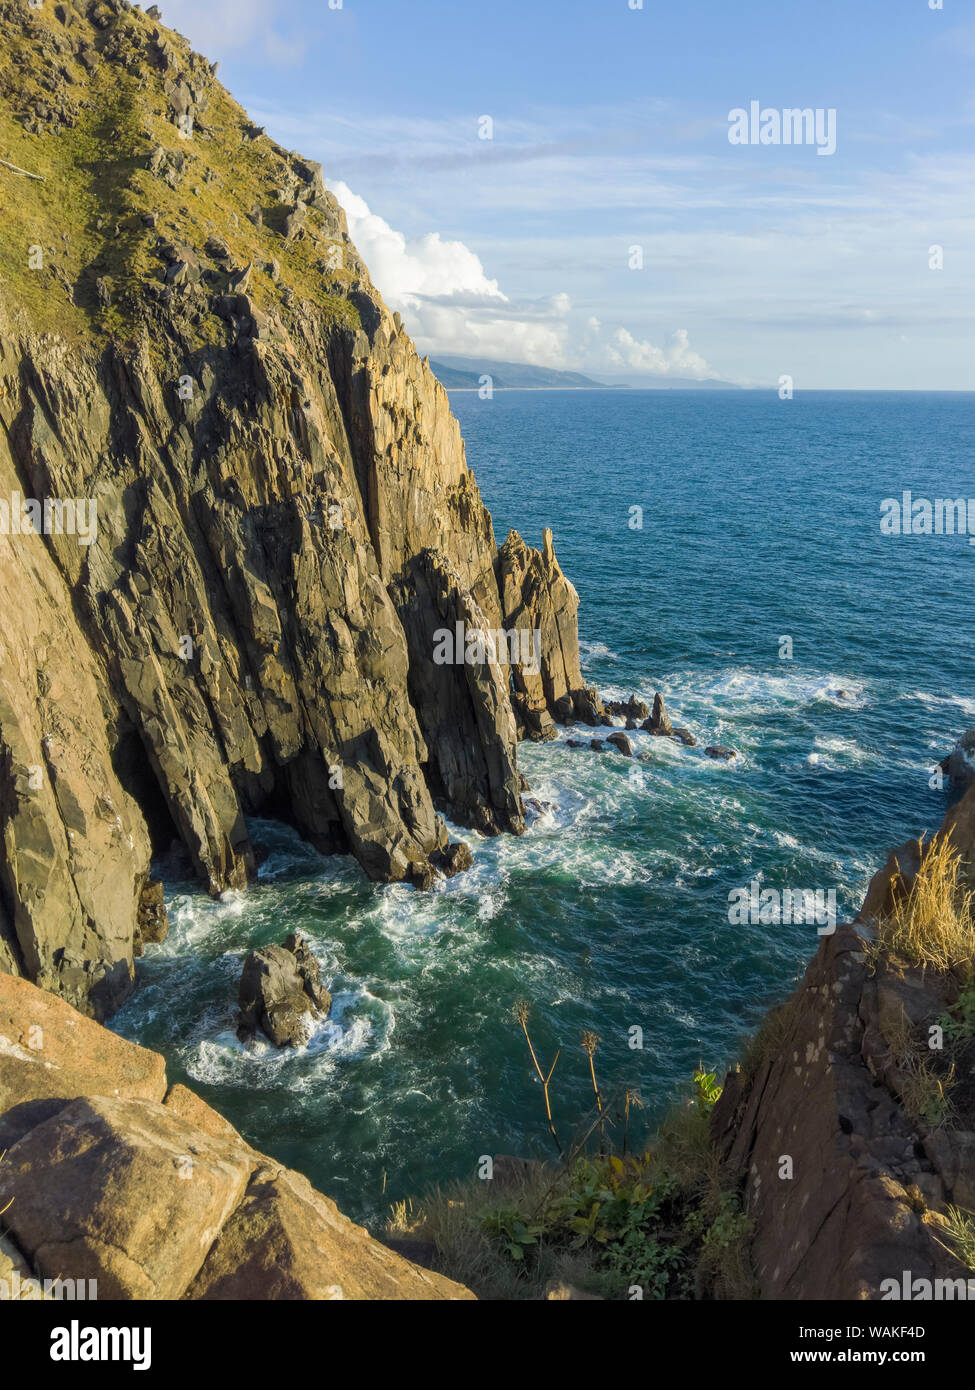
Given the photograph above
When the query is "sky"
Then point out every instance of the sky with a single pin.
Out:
(552, 181)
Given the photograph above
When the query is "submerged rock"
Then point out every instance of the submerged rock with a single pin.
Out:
(717, 751)
(280, 993)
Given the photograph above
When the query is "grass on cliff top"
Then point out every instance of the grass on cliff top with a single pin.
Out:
(933, 923)
(87, 214)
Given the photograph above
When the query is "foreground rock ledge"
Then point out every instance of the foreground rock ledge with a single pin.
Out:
(113, 1175)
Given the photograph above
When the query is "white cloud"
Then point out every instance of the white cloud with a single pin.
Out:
(403, 270)
(678, 360)
(450, 305)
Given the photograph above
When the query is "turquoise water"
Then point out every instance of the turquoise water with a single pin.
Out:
(760, 520)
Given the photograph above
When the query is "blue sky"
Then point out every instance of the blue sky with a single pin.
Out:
(610, 131)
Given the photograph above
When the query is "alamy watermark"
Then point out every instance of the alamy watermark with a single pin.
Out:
(758, 125)
(927, 1290)
(77, 1343)
(920, 516)
(474, 646)
(757, 906)
(54, 516)
(16, 1290)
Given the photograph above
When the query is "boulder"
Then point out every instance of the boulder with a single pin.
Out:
(280, 993)
(717, 751)
(684, 736)
(51, 1054)
(455, 859)
(285, 1241)
(628, 709)
(123, 1192)
(621, 743)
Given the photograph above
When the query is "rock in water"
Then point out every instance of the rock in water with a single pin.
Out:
(659, 722)
(632, 708)
(454, 859)
(152, 924)
(280, 994)
(960, 762)
(716, 751)
(621, 743)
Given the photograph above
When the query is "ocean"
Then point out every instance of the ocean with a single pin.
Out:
(758, 520)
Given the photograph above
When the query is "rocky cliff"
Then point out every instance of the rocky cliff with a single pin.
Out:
(115, 1184)
(236, 513)
(851, 1128)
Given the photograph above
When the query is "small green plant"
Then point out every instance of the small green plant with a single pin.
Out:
(706, 1089)
(958, 1023)
(506, 1227)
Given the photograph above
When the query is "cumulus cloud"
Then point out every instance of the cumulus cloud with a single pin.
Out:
(450, 305)
(678, 359)
(405, 269)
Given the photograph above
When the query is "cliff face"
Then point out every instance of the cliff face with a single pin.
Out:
(193, 356)
(837, 1130)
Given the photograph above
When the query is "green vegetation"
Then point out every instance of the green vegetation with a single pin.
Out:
(91, 207)
(666, 1221)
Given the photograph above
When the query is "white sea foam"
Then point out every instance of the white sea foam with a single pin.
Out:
(589, 651)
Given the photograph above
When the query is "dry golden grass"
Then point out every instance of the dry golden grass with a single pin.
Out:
(933, 924)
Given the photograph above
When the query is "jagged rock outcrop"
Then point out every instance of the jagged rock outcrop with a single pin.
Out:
(659, 724)
(537, 597)
(281, 995)
(111, 1175)
(659, 720)
(277, 517)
